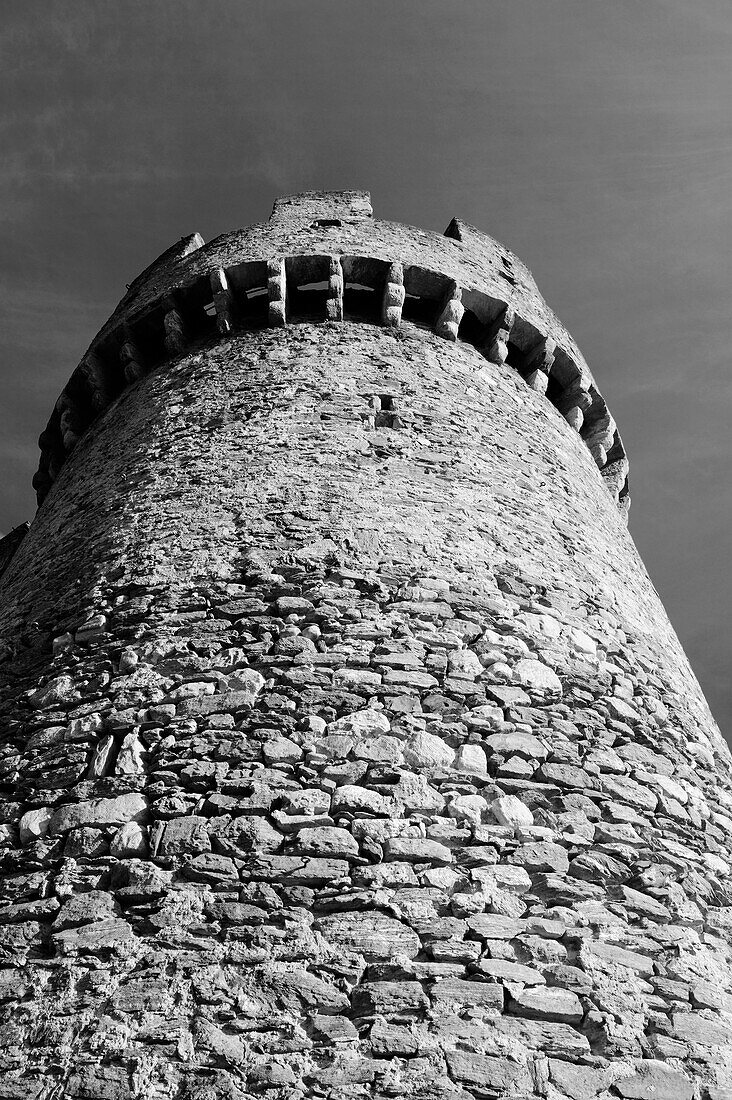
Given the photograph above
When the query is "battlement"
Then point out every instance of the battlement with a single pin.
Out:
(322, 258)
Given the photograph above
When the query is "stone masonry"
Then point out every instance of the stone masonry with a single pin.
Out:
(347, 750)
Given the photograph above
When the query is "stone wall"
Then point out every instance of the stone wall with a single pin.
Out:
(348, 751)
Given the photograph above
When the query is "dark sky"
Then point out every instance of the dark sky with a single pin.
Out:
(594, 138)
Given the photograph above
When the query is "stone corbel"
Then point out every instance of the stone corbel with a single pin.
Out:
(451, 314)
(334, 302)
(539, 363)
(600, 437)
(175, 333)
(573, 403)
(277, 292)
(223, 301)
(615, 475)
(130, 358)
(495, 348)
(95, 375)
(392, 302)
(71, 423)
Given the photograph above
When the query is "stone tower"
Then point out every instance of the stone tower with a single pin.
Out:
(347, 750)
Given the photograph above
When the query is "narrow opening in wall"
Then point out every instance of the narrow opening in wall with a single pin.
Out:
(198, 323)
(363, 288)
(192, 303)
(565, 369)
(306, 302)
(426, 290)
(420, 311)
(248, 285)
(616, 451)
(592, 414)
(361, 301)
(80, 395)
(471, 329)
(387, 414)
(554, 390)
(149, 334)
(307, 287)
(326, 223)
(253, 306)
(516, 358)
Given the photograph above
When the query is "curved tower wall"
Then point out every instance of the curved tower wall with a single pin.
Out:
(347, 748)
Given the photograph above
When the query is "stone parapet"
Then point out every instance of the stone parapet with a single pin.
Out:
(322, 258)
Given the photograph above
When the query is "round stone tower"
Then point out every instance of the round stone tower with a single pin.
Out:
(347, 750)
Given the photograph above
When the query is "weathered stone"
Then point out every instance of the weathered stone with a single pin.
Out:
(701, 1031)
(99, 812)
(360, 800)
(497, 1074)
(129, 840)
(96, 905)
(491, 926)
(34, 824)
(424, 750)
(521, 744)
(537, 677)
(471, 758)
(515, 973)
(418, 850)
(508, 696)
(470, 808)
(450, 993)
(610, 956)
(327, 841)
(183, 834)
(655, 1081)
(622, 711)
(541, 857)
(576, 1082)
(390, 999)
(510, 811)
(374, 935)
(555, 1039)
(90, 939)
(548, 1003)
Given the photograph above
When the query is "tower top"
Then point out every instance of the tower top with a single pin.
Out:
(322, 257)
(325, 207)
